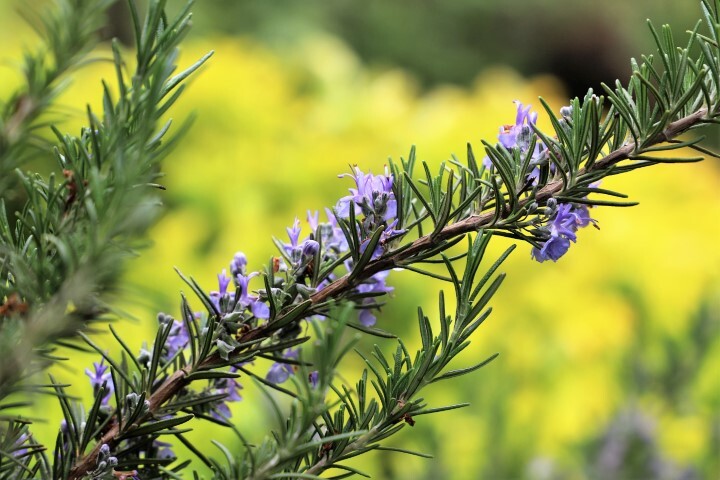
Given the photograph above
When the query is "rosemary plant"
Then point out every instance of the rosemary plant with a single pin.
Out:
(62, 250)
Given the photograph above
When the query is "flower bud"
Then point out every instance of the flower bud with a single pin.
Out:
(567, 111)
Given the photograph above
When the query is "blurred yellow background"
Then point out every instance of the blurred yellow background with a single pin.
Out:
(624, 326)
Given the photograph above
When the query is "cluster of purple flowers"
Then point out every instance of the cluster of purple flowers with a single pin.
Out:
(518, 136)
(373, 197)
(564, 219)
(375, 200)
(373, 204)
(562, 228)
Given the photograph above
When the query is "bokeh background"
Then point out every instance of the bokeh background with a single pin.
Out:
(609, 362)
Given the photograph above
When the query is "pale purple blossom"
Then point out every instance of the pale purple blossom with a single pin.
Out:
(373, 285)
(519, 136)
(508, 136)
(220, 297)
(178, 338)
(238, 264)
(372, 197)
(279, 372)
(164, 449)
(314, 378)
(562, 230)
(100, 375)
(302, 252)
(230, 387)
(258, 308)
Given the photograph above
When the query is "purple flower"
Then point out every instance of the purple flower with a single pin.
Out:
(300, 253)
(373, 285)
(313, 219)
(164, 449)
(314, 378)
(100, 375)
(279, 372)
(221, 411)
(581, 216)
(223, 282)
(178, 338)
(373, 196)
(310, 248)
(508, 136)
(367, 318)
(230, 387)
(552, 249)
(566, 220)
(238, 264)
(217, 297)
(293, 233)
(258, 308)
(519, 136)
(332, 235)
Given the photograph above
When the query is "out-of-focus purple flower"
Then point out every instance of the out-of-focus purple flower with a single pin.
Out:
(230, 387)
(294, 233)
(314, 378)
(178, 338)
(367, 318)
(19, 448)
(332, 236)
(164, 449)
(99, 375)
(279, 372)
(565, 222)
(238, 264)
(313, 220)
(221, 411)
(373, 285)
(629, 449)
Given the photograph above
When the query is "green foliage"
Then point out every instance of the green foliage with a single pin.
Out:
(63, 251)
